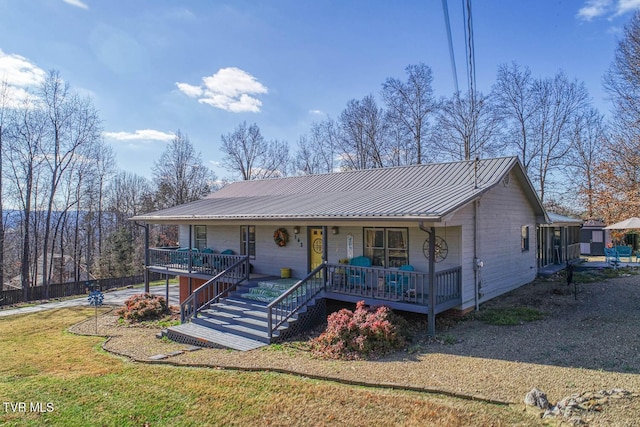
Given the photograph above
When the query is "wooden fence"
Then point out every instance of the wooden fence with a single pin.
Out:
(59, 290)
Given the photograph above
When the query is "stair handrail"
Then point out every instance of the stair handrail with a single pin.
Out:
(189, 308)
(278, 305)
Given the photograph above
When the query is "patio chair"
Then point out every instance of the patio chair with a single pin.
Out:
(397, 282)
(624, 252)
(357, 276)
(219, 263)
(611, 256)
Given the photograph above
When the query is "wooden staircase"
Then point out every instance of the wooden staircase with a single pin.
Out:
(239, 321)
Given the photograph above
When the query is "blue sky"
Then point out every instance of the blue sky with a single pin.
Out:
(155, 66)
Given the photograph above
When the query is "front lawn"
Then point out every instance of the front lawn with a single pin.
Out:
(67, 380)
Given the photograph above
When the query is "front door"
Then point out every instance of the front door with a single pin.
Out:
(316, 246)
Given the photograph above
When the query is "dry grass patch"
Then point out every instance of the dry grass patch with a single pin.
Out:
(42, 363)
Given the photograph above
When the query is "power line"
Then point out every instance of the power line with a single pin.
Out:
(447, 24)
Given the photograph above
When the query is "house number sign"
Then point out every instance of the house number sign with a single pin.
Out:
(349, 245)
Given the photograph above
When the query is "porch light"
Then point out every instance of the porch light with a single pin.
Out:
(296, 230)
(335, 230)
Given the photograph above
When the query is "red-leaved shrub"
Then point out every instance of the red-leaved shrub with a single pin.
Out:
(359, 334)
(141, 307)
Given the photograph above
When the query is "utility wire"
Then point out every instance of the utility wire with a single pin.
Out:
(447, 24)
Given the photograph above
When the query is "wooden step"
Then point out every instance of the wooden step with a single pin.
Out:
(191, 333)
(256, 331)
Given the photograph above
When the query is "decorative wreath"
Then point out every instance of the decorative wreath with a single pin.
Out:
(281, 237)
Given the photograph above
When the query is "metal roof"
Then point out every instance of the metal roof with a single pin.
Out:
(423, 192)
(557, 219)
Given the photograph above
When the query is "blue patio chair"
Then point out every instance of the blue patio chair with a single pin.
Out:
(624, 252)
(611, 256)
(397, 282)
(357, 276)
(218, 263)
(205, 257)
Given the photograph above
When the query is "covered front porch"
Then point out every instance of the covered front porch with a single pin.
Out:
(397, 288)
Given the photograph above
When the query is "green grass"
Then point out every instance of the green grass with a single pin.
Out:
(40, 362)
(509, 316)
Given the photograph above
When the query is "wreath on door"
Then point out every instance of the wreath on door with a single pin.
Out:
(281, 237)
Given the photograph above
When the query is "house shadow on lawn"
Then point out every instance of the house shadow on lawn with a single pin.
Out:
(597, 328)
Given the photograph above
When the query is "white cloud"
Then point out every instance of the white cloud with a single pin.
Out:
(230, 89)
(190, 90)
(597, 8)
(17, 71)
(625, 6)
(76, 3)
(140, 135)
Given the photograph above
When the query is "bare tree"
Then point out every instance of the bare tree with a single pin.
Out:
(465, 129)
(409, 105)
(179, 175)
(618, 183)
(4, 123)
(622, 80)
(559, 100)
(517, 105)
(72, 123)
(247, 153)
(588, 137)
(25, 161)
(363, 142)
(537, 113)
(307, 160)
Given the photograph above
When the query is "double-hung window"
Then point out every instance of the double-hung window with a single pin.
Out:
(200, 236)
(387, 247)
(524, 238)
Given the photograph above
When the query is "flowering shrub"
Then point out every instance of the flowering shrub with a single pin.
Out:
(141, 307)
(359, 334)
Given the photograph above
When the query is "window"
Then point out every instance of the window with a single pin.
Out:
(524, 238)
(252, 240)
(387, 247)
(200, 236)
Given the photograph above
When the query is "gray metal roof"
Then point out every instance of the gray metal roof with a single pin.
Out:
(557, 219)
(423, 192)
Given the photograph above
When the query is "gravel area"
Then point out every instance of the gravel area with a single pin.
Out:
(584, 344)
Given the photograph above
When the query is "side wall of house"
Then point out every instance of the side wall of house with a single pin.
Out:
(502, 212)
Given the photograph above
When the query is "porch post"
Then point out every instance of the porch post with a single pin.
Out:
(190, 245)
(431, 325)
(325, 250)
(146, 258)
(246, 252)
(167, 289)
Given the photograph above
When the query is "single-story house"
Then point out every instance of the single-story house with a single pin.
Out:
(421, 238)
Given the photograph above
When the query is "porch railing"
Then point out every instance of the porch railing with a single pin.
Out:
(395, 285)
(191, 261)
(215, 288)
(290, 302)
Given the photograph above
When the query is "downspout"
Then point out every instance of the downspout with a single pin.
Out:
(476, 208)
(189, 259)
(476, 283)
(146, 256)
